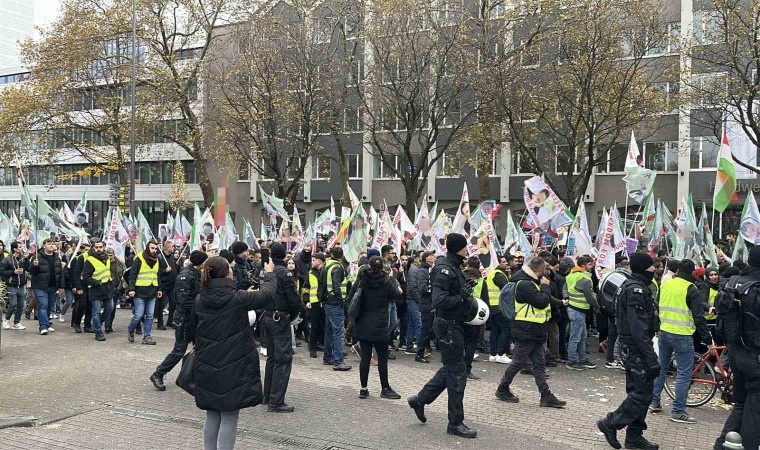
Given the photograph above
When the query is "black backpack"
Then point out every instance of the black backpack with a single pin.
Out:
(735, 304)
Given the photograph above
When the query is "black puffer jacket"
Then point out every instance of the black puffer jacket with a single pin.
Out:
(423, 287)
(48, 266)
(168, 279)
(526, 292)
(371, 317)
(188, 285)
(226, 362)
(8, 271)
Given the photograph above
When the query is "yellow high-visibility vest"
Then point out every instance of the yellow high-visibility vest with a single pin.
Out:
(331, 264)
(711, 302)
(493, 291)
(102, 271)
(313, 287)
(148, 276)
(675, 316)
(527, 313)
(577, 298)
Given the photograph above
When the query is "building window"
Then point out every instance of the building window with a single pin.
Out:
(661, 156)
(711, 88)
(668, 92)
(381, 170)
(704, 152)
(354, 165)
(520, 164)
(453, 113)
(320, 167)
(707, 27)
(530, 55)
(670, 43)
(563, 163)
(244, 171)
(450, 164)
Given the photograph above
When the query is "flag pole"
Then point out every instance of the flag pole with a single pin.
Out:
(712, 224)
(720, 227)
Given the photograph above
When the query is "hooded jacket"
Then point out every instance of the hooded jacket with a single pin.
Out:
(378, 291)
(226, 365)
(540, 298)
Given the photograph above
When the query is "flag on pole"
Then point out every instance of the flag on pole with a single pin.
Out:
(638, 180)
(725, 177)
(750, 224)
(273, 205)
(606, 259)
(462, 216)
(248, 236)
(81, 207)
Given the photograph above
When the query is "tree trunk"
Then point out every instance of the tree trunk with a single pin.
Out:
(484, 178)
(410, 190)
(201, 177)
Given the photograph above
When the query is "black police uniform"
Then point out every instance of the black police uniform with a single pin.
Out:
(744, 359)
(186, 289)
(244, 274)
(634, 317)
(287, 305)
(453, 304)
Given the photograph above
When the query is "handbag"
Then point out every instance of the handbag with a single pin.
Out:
(353, 306)
(186, 377)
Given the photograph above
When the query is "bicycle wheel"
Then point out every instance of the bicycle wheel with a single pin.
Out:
(703, 385)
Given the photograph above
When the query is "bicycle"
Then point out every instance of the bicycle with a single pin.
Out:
(706, 378)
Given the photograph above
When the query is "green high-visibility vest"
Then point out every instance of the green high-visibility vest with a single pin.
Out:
(577, 298)
(313, 287)
(102, 272)
(711, 302)
(527, 313)
(147, 276)
(331, 264)
(675, 316)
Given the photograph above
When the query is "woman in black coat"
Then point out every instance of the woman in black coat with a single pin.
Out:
(226, 367)
(370, 316)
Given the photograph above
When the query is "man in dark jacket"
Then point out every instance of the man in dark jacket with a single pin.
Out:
(47, 278)
(168, 272)
(80, 293)
(96, 275)
(187, 287)
(243, 271)
(13, 273)
(316, 311)
(635, 326)
(333, 290)
(454, 305)
(422, 284)
(529, 331)
(144, 288)
(285, 308)
(500, 337)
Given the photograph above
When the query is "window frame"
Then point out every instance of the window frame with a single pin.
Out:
(669, 146)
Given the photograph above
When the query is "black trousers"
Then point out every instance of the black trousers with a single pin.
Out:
(279, 359)
(527, 353)
(403, 321)
(172, 299)
(382, 362)
(426, 332)
(611, 338)
(745, 417)
(317, 321)
(632, 413)
(161, 304)
(452, 377)
(80, 304)
(178, 351)
(476, 338)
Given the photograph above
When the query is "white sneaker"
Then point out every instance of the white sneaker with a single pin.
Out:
(18, 326)
(51, 329)
(493, 359)
(55, 316)
(118, 306)
(476, 356)
(43, 332)
(62, 319)
(263, 351)
(6, 325)
(166, 311)
(503, 359)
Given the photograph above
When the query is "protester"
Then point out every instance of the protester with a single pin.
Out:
(333, 287)
(144, 289)
(96, 275)
(47, 280)
(579, 291)
(316, 312)
(168, 271)
(226, 368)
(13, 270)
(427, 316)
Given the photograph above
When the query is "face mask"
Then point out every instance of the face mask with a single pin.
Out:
(648, 276)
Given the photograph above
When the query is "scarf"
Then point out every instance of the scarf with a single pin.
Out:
(151, 260)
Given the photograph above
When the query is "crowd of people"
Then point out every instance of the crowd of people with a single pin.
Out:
(241, 302)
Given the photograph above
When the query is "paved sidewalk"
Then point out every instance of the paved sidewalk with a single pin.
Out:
(69, 391)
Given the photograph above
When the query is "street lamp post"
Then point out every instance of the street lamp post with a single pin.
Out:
(132, 169)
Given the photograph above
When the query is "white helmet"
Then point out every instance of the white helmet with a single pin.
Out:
(481, 316)
(251, 317)
(297, 320)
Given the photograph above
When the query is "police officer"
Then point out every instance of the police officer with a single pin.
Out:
(454, 305)
(743, 351)
(634, 317)
(286, 306)
(187, 287)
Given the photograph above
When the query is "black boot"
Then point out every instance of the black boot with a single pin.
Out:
(610, 434)
(640, 442)
(550, 401)
(280, 408)
(158, 381)
(506, 395)
(418, 407)
(462, 430)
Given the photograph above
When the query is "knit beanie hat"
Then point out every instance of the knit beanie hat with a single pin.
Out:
(754, 256)
(699, 272)
(226, 254)
(373, 252)
(455, 242)
(197, 258)
(640, 262)
(238, 247)
(278, 251)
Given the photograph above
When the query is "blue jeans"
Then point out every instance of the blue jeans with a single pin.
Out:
(415, 324)
(16, 297)
(142, 306)
(683, 347)
(334, 332)
(45, 299)
(107, 306)
(499, 334)
(392, 320)
(576, 353)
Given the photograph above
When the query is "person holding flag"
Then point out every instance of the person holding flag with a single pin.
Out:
(96, 275)
(47, 280)
(144, 289)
